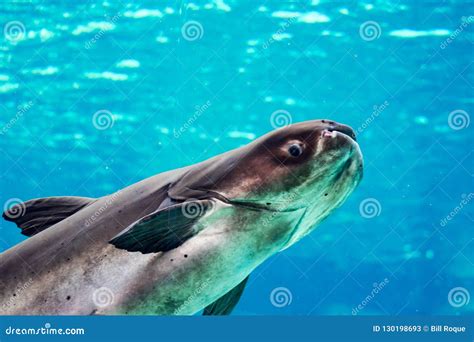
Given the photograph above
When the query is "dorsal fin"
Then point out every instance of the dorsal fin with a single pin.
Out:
(36, 215)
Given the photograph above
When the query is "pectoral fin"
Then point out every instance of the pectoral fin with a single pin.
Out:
(36, 215)
(164, 229)
(227, 303)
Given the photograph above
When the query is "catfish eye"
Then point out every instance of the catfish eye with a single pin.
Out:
(295, 150)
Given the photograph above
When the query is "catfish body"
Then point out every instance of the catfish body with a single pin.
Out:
(139, 251)
(80, 273)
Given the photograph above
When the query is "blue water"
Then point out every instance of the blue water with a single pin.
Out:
(177, 82)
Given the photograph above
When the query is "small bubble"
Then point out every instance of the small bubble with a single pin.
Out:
(429, 254)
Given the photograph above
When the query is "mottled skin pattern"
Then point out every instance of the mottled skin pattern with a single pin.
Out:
(58, 270)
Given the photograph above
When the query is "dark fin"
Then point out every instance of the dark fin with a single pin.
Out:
(227, 303)
(164, 229)
(36, 215)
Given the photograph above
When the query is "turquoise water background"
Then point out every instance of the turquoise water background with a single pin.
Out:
(97, 95)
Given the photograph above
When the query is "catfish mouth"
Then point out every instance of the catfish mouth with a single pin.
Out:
(342, 137)
(343, 130)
